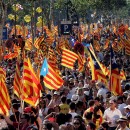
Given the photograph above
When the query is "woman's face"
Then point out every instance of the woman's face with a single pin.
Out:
(76, 123)
(56, 109)
(42, 104)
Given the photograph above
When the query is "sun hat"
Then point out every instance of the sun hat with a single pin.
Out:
(86, 86)
(86, 93)
(56, 93)
(75, 98)
(123, 118)
(128, 106)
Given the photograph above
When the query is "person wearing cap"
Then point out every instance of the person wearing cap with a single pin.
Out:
(127, 109)
(111, 115)
(122, 124)
(55, 100)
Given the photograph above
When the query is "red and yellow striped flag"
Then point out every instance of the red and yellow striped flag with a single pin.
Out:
(4, 95)
(31, 84)
(38, 41)
(11, 55)
(127, 46)
(2, 73)
(122, 75)
(117, 46)
(28, 44)
(17, 81)
(96, 45)
(106, 45)
(68, 58)
(81, 62)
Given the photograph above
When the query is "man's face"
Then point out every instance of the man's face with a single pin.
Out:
(112, 105)
(123, 124)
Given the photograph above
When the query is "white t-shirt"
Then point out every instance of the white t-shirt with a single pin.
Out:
(124, 129)
(112, 116)
(73, 114)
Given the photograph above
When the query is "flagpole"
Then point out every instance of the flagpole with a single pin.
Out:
(110, 84)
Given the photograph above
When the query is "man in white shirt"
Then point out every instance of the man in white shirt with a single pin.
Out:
(112, 114)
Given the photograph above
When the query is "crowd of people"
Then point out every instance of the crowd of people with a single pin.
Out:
(80, 104)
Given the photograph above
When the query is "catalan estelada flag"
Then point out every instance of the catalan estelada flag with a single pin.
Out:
(31, 85)
(51, 79)
(68, 58)
(4, 95)
(97, 73)
(115, 80)
(17, 81)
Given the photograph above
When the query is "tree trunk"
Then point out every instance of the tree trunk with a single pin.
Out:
(51, 15)
(3, 13)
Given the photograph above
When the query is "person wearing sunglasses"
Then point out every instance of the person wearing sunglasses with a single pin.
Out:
(78, 124)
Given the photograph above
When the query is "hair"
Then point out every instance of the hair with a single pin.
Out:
(82, 126)
(48, 96)
(48, 125)
(68, 101)
(105, 124)
(92, 125)
(80, 103)
(88, 115)
(96, 109)
(35, 110)
(97, 98)
(41, 103)
(79, 117)
(68, 117)
(57, 107)
(91, 103)
(50, 110)
(127, 86)
(63, 99)
(60, 118)
(16, 106)
(72, 106)
(120, 98)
